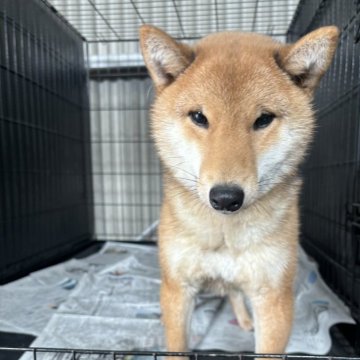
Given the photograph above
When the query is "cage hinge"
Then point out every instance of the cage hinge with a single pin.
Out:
(353, 218)
(357, 32)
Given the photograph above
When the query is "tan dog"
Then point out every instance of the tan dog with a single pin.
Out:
(232, 121)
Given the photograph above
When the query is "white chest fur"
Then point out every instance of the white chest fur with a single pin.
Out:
(249, 267)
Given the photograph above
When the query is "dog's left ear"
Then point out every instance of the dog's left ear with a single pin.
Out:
(164, 57)
(307, 60)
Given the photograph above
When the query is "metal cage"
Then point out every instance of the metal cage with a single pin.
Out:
(76, 158)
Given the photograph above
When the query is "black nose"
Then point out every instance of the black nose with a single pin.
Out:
(226, 197)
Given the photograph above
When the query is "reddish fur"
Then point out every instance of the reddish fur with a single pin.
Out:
(232, 78)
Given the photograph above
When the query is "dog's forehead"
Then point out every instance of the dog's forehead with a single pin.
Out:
(236, 56)
(234, 67)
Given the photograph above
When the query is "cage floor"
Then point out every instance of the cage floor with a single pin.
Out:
(340, 344)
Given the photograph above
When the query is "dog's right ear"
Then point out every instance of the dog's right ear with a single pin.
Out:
(164, 57)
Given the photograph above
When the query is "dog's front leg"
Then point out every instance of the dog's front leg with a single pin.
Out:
(273, 313)
(177, 304)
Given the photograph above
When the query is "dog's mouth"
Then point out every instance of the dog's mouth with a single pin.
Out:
(226, 212)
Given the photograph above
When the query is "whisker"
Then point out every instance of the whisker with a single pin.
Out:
(195, 178)
(183, 178)
(185, 171)
(275, 183)
(184, 192)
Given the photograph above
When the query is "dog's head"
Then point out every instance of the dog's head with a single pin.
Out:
(233, 116)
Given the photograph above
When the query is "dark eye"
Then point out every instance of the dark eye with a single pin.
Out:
(199, 119)
(263, 121)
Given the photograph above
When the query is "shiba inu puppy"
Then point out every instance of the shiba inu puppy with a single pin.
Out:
(232, 121)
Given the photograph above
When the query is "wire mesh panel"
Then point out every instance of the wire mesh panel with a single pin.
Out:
(332, 193)
(44, 190)
(104, 20)
(125, 168)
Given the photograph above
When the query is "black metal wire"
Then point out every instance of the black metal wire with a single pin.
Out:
(157, 354)
(104, 18)
(179, 19)
(255, 15)
(137, 12)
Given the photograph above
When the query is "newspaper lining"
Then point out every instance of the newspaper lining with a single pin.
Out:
(110, 300)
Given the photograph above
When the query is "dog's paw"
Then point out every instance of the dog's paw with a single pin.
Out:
(247, 324)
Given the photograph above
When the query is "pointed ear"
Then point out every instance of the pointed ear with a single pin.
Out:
(307, 60)
(165, 58)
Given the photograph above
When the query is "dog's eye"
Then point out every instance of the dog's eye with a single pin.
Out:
(199, 119)
(263, 121)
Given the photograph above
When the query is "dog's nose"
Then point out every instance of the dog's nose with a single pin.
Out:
(226, 197)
